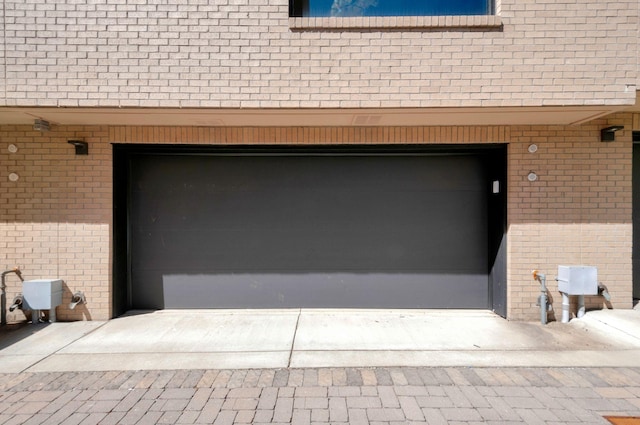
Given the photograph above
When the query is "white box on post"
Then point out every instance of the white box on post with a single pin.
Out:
(42, 294)
(578, 280)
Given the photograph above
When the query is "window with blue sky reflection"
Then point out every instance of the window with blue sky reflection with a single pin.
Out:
(341, 8)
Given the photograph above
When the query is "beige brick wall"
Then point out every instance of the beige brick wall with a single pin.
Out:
(245, 54)
(578, 212)
(56, 220)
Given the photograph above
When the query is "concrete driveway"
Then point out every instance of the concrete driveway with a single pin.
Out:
(243, 339)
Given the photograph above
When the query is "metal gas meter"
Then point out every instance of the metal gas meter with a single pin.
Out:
(42, 294)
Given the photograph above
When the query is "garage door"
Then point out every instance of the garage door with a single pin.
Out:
(357, 230)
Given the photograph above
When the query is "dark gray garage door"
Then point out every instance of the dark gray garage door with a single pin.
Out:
(265, 231)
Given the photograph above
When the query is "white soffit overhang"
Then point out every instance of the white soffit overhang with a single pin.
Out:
(551, 115)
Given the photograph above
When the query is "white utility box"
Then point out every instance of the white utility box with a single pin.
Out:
(42, 294)
(578, 280)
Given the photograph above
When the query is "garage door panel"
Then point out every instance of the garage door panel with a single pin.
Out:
(386, 238)
(224, 174)
(291, 231)
(320, 290)
(282, 249)
(310, 290)
(345, 209)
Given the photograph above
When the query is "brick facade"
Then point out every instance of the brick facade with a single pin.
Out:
(249, 54)
(57, 218)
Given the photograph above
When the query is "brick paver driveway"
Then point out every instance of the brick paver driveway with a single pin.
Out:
(321, 396)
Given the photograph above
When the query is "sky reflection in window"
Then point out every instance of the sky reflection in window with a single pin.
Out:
(341, 8)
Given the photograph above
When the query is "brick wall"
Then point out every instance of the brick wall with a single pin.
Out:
(55, 221)
(578, 212)
(246, 54)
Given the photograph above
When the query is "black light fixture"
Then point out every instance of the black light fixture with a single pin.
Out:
(608, 134)
(82, 147)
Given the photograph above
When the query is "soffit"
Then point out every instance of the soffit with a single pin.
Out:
(552, 115)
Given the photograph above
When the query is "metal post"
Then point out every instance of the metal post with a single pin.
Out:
(565, 307)
(542, 299)
(581, 308)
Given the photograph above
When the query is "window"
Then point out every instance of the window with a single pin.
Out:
(351, 8)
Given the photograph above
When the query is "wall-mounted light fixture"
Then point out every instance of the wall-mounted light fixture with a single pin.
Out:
(82, 147)
(41, 125)
(608, 134)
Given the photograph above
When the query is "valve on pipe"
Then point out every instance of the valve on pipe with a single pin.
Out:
(77, 298)
(602, 290)
(543, 299)
(18, 303)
